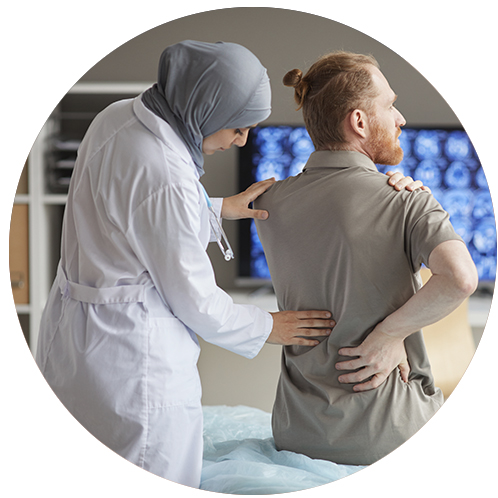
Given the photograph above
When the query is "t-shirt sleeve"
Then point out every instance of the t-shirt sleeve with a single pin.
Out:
(427, 225)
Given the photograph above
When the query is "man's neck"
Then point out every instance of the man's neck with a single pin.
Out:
(348, 146)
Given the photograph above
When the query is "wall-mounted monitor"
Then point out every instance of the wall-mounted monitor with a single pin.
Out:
(444, 159)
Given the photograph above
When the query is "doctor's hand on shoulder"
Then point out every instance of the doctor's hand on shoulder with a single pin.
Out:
(237, 207)
(296, 328)
(400, 182)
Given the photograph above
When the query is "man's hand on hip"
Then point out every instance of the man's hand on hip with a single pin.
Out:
(375, 358)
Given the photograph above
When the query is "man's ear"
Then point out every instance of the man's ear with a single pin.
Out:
(358, 123)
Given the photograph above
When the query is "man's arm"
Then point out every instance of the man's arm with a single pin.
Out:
(454, 278)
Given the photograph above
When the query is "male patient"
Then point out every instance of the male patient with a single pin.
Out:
(339, 238)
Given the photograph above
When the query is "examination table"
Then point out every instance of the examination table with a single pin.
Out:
(240, 456)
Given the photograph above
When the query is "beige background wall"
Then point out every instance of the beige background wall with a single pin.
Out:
(282, 40)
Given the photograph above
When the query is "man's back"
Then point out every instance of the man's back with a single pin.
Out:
(339, 238)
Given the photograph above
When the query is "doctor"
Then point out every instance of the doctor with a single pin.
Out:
(134, 285)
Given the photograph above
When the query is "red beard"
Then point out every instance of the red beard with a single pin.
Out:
(384, 149)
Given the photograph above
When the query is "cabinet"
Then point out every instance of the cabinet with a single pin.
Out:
(42, 193)
(19, 251)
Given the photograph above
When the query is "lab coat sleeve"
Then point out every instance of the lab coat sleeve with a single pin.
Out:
(217, 204)
(165, 233)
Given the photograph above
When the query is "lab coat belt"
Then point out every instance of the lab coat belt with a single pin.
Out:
(103, 295)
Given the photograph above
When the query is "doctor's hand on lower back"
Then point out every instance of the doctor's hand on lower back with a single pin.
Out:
(237, 207)
(294, 328)
(376, 357)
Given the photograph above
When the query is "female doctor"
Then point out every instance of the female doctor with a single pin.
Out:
(134, 284)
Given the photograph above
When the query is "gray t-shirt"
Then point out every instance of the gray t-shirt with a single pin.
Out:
(339, 238)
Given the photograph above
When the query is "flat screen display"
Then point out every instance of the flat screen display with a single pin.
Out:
(443, 159)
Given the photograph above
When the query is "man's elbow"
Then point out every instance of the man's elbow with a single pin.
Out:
(466, 280)
(452, 261)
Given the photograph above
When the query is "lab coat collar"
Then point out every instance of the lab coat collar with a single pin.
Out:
(162, 130)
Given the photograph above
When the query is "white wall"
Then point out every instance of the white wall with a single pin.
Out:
(282, 40)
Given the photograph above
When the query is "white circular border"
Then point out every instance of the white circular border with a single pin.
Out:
(47, 47)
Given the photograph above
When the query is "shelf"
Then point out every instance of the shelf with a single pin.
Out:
(23, 309)
(54, 199)
(22, 199)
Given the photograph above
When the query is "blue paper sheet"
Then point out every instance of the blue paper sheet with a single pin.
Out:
(240, 456)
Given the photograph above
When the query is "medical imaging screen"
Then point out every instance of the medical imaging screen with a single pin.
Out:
(443, 159)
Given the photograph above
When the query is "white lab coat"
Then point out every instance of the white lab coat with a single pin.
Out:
(134, 286)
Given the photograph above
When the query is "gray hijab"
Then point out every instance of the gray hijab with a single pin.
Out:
(203, 88)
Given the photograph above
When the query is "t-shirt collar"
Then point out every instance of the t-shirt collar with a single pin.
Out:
(339, 159)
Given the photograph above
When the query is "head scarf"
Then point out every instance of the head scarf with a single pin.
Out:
(203, 88)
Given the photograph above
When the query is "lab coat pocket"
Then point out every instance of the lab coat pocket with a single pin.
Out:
(172, 376)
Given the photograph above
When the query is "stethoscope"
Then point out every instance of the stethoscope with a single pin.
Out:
(217, 228)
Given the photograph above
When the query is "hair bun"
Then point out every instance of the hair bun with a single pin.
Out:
(301, 87)
(293, 78)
